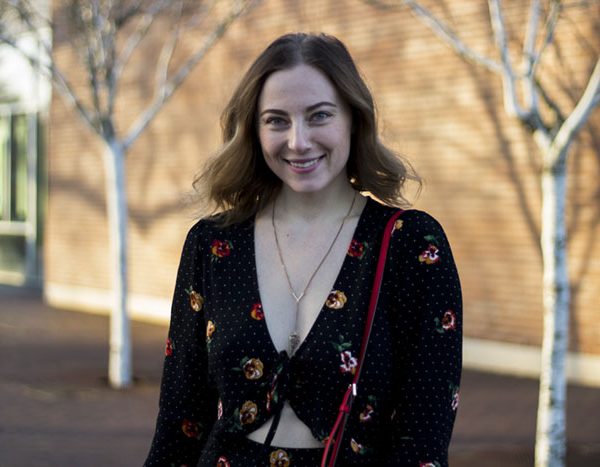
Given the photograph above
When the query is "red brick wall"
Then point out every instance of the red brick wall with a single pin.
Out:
(481, 168)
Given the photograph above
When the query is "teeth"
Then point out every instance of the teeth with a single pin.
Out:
(303, 165)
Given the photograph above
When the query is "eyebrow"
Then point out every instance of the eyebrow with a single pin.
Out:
(310, 108)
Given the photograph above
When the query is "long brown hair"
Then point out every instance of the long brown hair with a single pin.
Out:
(238, 181)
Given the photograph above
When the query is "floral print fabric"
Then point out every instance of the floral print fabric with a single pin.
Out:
(223, 378)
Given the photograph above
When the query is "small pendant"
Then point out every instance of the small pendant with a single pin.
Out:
(297, 298)
(294, 340)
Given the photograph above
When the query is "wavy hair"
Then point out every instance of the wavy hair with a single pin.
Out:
(237, 180)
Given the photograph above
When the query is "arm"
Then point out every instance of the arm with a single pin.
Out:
(428, 334)
(188, 401)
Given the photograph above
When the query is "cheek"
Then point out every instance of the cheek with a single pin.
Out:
(268, 144)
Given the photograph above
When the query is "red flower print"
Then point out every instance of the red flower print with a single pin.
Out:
(248, 413)
(196, 300)
(219, 409)
(336, 300)
(279, 458)
(455, 391)
(169, 347)
(191, 429)
(430, 255)
(272, 393)
(223, 462)
(269, 400)
(455, 400)
(356, 249)
(349, 362)
(257, 312)
(221, 248)
(447, 323)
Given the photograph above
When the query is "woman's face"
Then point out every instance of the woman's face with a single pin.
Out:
(304, 129)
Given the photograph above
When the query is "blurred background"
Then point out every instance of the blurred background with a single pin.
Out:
(447, 113)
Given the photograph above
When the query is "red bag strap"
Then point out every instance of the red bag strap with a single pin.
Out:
(335, 437)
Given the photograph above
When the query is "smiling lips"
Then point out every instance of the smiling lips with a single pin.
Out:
(305, 164)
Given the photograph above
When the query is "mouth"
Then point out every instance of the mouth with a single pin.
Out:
(304, 163)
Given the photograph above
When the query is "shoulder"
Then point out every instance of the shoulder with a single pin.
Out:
(417, 232)
(212, 225)
(208, 232)
(415, 222)
(412, 221)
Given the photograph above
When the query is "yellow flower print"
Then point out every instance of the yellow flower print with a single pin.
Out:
(398, 223)
(210, 329)
(357, 447)
(279, 458)
(253, 369)
(336, 300)
(248, 413)
(196, 300)
(367, 414)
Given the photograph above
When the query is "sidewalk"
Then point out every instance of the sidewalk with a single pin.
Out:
(56, 409)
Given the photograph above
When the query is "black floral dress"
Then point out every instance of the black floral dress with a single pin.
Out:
(223, 377)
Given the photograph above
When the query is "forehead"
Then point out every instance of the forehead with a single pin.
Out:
(297, 87)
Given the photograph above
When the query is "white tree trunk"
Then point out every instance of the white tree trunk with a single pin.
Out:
(119, 361)
(550, 446)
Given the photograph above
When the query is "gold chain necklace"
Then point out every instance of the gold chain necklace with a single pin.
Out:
(294, 337)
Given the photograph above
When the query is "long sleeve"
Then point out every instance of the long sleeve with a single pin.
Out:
(188, 400)
(428, 335)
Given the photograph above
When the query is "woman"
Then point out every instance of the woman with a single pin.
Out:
(272, 293)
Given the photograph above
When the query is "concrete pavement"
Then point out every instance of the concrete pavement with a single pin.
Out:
(57, 410)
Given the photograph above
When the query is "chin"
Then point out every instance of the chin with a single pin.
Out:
(306, 187)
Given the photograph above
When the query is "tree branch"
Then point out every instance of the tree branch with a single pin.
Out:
(184, 70)
(588, 101)
(551, 21)
(166, 54)
(444, 32)
(559, 117)
(511, 103)
(47, 69)
(529, 56)
(134, 39)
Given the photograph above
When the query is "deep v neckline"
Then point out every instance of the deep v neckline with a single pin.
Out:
(335, 285)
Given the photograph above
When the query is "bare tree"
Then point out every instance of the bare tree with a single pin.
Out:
(553, 130)
(105, 34)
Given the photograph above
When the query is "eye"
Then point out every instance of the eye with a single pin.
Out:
(274, 121)
(320, 116)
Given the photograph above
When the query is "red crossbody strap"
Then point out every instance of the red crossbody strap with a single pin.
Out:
(335, 437)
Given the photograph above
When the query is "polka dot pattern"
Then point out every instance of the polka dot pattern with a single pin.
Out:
(223, 377)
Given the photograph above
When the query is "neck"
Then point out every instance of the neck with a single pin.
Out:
(331, 203)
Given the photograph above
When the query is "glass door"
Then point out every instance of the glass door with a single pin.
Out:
(19, 204)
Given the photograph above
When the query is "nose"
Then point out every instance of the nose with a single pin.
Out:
(299, 138)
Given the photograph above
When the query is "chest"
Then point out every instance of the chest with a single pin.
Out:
(297, 271)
